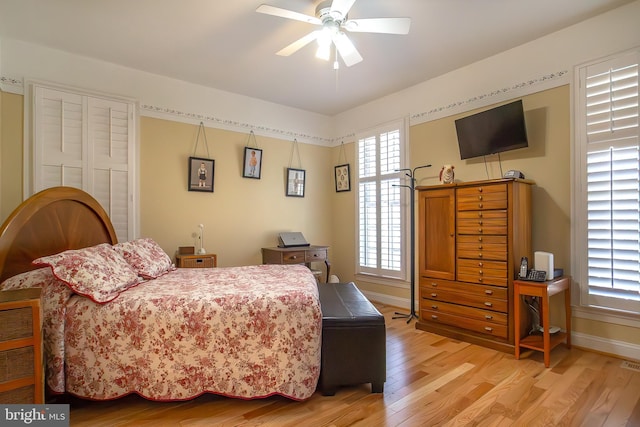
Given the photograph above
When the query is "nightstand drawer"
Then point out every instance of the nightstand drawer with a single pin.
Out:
(197, 261)
(313, 256)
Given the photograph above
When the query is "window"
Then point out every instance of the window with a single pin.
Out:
(381, 216)
(607, 183)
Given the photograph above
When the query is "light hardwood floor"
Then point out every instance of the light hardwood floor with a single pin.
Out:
(431, 381)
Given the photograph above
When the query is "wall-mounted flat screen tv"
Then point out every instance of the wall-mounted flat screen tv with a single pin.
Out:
(493, 131)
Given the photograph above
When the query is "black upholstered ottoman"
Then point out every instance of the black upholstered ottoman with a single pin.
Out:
(353, 339)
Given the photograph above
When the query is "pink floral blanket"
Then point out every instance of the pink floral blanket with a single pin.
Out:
(246, 332)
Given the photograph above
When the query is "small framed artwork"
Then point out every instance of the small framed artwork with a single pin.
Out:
(295, 182)
(252, 163)
(343, 178)
(201, 174)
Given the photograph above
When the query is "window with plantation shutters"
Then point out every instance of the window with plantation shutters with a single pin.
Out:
(608, 145)
(86, 142)
(381, 217)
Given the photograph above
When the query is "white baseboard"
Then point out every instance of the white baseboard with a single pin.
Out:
(620, 349)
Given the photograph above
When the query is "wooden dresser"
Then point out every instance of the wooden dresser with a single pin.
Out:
(471, 238)
(21, 363)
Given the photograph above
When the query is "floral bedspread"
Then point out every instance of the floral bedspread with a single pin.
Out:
(246, 332)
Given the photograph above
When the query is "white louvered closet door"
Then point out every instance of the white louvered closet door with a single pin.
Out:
(88, 143)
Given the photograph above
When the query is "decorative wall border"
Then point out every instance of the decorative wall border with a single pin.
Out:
(15, 85)
(548, 80)
(235, 125)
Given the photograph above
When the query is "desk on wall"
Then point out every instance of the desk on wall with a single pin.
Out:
(297, 255)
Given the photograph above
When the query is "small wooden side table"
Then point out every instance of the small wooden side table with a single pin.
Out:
(196, 261)
(547, 341)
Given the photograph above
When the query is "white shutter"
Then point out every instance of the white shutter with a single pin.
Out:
(380, 213)
(58, 139)
(88, 143)
(611, 137)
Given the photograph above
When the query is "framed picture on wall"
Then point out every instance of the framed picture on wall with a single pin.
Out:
(295, 182)
(201, 174)
(252, 163)
(343, 178)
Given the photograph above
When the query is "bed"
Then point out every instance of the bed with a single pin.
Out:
(169, 334)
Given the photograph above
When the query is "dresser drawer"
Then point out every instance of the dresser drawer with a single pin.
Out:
(296, 257)
(482, 268)
(482, 198)
(468, 294)
(484, 226)
(315, 255)
(483, 280)
(460, 310)
(485, 327)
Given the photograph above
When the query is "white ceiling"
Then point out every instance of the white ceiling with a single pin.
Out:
(225, 44)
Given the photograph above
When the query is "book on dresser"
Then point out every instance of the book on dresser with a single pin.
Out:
(471, 237)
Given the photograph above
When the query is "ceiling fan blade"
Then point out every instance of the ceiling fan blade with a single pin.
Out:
(298, 44)
(342, 6)
(289, 14)
(347, 50)
(379, 25)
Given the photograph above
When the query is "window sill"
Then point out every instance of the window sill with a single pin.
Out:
(382, 280)
(607, 316)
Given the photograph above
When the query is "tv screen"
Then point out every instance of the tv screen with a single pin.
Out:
(493, 131)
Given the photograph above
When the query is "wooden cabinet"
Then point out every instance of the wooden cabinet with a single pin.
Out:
(21, 363)
(196, 261)
(471, 238)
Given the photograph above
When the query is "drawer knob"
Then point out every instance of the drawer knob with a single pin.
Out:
(488, 292)
(480, 247)
(435, 307)
(480, 264)
(479, 214)
(480, 205)
(480, 272)
(434, 295)
(434, 284)
(294, 257)
(488, 304)
(480, 189)
(488, 317)
(480, 222)
(434, 317)
(480, 255)
(479, 197)
(488, 329)
(479, 230)
(479, 238)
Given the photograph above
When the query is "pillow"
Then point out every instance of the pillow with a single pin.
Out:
(97, 272)
(146, 257)
(29, 279)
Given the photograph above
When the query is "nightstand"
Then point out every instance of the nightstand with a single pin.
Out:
(21, 363)
(546, 341)
(196, 261)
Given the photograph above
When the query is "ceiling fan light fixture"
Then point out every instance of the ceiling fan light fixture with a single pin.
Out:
(324, 51)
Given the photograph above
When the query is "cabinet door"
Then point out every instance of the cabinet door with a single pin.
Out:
(437, 233)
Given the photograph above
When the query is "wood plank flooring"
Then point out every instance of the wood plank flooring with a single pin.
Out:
(431, 381)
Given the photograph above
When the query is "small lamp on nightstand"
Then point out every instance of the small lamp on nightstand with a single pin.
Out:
(202, 250)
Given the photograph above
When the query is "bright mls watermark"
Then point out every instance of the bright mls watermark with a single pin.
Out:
(53, 415)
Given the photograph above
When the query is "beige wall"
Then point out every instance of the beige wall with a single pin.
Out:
(242, 214)
(11, 128)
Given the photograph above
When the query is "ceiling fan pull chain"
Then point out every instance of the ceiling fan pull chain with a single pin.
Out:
(206, 144)
(294, 147)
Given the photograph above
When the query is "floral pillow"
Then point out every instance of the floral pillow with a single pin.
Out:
(29, 279)
(146, 257)
(97, 272)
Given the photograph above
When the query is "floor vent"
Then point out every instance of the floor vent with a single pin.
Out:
(634, 366)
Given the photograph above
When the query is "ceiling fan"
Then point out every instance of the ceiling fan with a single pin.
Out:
(332, 17)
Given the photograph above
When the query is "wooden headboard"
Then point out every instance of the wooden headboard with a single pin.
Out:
(49, 222)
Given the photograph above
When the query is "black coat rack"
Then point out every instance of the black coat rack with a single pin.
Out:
(412, 186)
